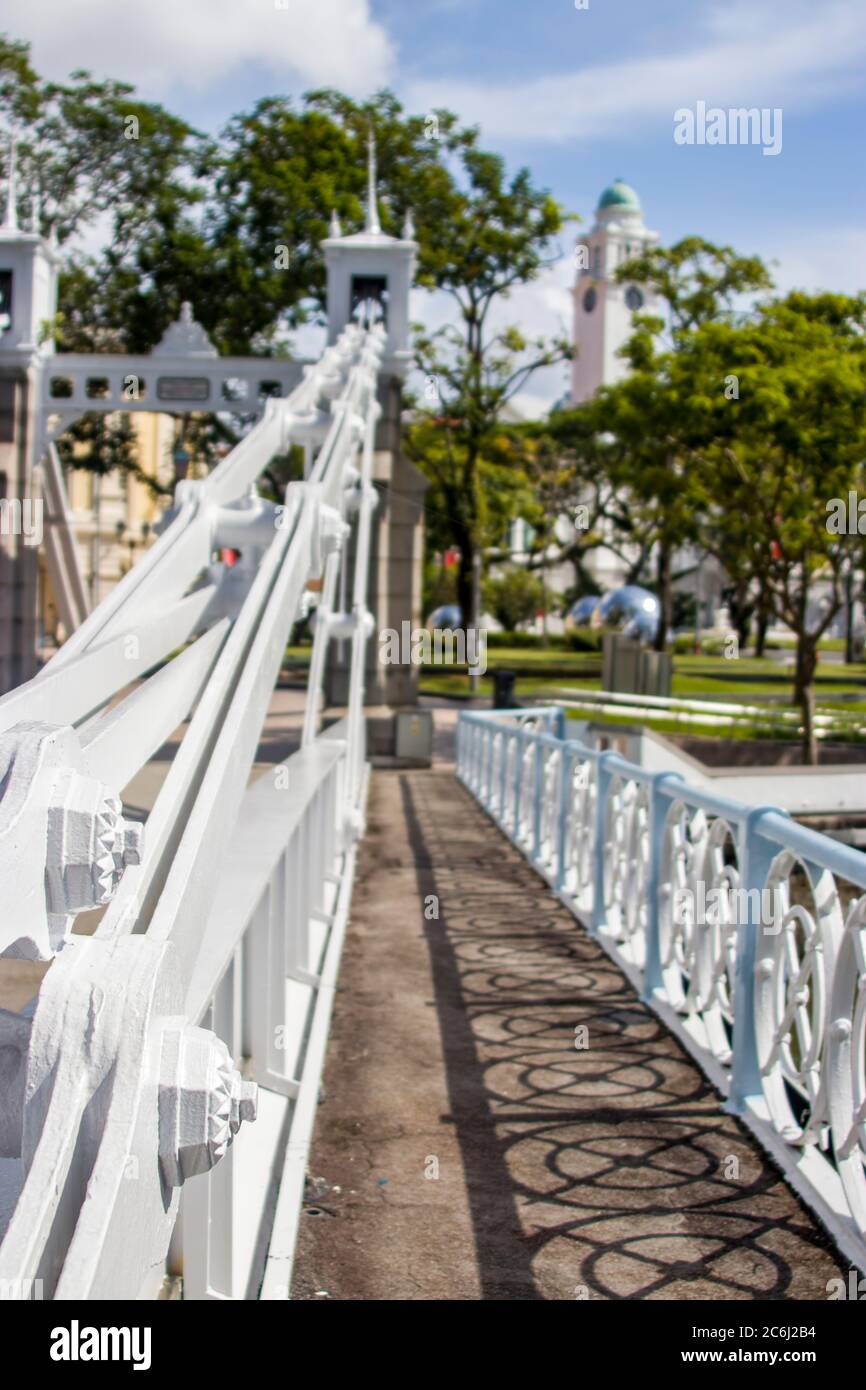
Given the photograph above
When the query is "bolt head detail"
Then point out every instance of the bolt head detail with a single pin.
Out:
(203, 1101)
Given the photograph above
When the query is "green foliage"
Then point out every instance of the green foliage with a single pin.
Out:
(439, 584)
(732, 437)
(684, 609)
(684, 645)
(696, 281)
(640, 433)
(513, 597)
(210, 220)
(519, 641)
(104, 444)
(584, 639)
(495, 233)
(76, 162)
(794, 438)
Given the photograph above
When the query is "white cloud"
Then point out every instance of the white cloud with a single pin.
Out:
(164, 45)
(819, 258)
(754, 52)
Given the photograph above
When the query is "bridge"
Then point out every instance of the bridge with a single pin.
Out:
(637, 959)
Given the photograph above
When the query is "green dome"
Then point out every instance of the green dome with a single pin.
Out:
(619, 195)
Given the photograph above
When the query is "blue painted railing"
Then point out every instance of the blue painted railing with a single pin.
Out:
(743, 930)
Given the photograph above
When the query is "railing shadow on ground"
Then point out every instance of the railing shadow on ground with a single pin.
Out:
(607, 1171)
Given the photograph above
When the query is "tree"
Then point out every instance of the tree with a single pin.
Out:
(86, 148)
(280, 171)
(513, 597)
(496, 234)
(245, 248)
(697, 283)
(435, 444)
(236, 227)
(630, 449)
(791, 442)
(571, 475)
(103, 444)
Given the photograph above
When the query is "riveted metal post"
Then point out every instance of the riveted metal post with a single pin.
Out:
(518, 779)
(565, 766)
(503, 772)
(659, 806)
(604, 781)
(537, 792)
(756, 856)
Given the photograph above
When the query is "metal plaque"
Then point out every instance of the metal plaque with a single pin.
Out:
(182, 388)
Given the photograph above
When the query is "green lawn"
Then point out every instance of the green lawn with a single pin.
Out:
(765, 682)
(541, 672)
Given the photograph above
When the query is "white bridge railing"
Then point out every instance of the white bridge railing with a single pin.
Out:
(743, 930)
(202, 998)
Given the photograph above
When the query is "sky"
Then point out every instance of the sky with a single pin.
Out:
(581, 91)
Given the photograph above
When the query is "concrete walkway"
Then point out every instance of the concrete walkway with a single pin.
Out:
(466, 1150)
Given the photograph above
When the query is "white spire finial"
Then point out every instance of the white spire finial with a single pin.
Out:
(372, 209)
(10, 220)
(408, 226)
(35, 209)
(335, 230)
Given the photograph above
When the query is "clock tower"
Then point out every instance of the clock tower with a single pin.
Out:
(603, 308)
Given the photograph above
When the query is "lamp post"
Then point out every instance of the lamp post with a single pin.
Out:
(476, 613)
(181, 463)
(698, 601)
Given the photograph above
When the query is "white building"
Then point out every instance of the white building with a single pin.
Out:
(604, 308)
(603, 314)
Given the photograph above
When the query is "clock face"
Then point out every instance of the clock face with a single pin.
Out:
(589, 299)
(633, 298)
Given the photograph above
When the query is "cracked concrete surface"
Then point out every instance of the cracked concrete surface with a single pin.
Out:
(468, 1150)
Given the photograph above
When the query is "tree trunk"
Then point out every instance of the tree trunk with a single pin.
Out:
(465, 594)
(804, 695)
(741, 609)
(761, 625)
(665, 597)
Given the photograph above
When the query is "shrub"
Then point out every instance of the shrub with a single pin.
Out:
(584, 639)
(513, 597)
(513, 639)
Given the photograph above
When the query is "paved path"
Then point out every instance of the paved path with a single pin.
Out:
(466, 1150)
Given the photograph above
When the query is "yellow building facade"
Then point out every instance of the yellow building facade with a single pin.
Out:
(113, 518)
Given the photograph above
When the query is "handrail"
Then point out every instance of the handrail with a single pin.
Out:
(205, 976)
(745, 931)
